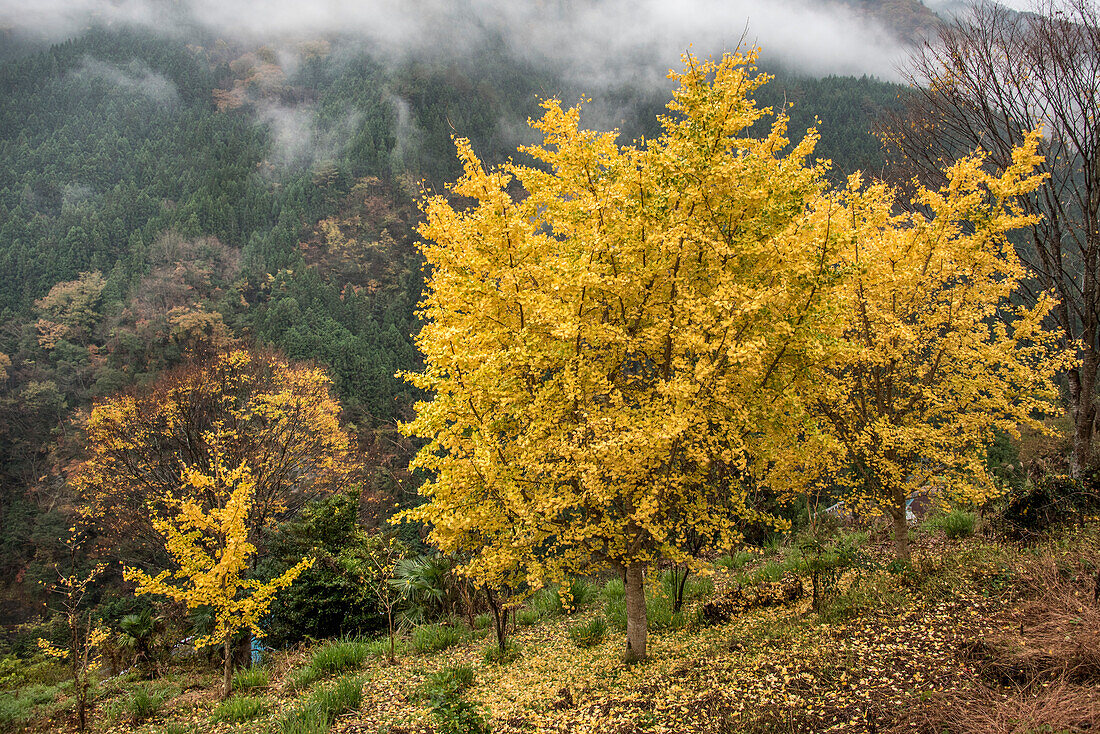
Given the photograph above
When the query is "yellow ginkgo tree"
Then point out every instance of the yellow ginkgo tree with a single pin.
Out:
(610, 351)
(937, 352)
(211, 552)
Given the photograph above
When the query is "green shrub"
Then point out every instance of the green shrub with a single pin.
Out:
(483, 621)
(955, 524)
(239, 709)
(329, 599)
(39, 670)
(590, 633)
(459, 716)
(825, 557)
(426, 584)
(434, 637)
(339, 656)
(248, 679)
(301, 678)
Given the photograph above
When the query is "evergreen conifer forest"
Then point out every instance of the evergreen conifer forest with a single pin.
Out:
(572, 366)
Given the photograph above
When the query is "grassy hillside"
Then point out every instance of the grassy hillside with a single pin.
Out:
(977, 635)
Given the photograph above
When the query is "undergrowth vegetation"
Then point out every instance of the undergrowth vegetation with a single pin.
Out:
(973, 635)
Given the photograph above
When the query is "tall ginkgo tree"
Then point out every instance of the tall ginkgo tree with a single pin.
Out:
(211, 555)
(610, 351)
(937, 351)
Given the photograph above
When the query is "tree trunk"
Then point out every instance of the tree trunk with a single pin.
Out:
(468, 601)
(389, 619)
(1082, 389)
(227, 673)
(681, 584)
(242, 651)
(901, 532)
(82, 703)
(500, 620)
(635, 612)
(1082, 405)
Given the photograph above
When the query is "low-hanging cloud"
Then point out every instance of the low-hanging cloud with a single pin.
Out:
(135, 77)
(297, 140)
(597, 42)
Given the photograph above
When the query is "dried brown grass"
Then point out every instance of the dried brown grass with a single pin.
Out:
(1041, 672)
(1057, 624)
(1053, 707)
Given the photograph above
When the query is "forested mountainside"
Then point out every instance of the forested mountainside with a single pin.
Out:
(161, 197)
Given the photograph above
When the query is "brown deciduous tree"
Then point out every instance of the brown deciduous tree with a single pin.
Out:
(984, 82)
(240, 408)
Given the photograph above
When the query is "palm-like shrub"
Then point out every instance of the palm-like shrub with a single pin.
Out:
(426, 587)
(137, 636)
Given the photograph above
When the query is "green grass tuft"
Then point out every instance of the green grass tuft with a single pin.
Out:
(434, 637)
(380, 647)
(144, 702)
(574, 594)
(527, 617)
(735, 562)
(453, 713)
(300, 678)
(658, 605)
(493, 656)
(248, 679)
(590, 633)
(339, 656)
(239, 709)
(545, 602)
(955, 524)
(317, 713)
(449, 681)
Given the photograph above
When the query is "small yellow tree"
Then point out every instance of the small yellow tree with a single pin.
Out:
(936, 354)
(85, 638)
(211, 550)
